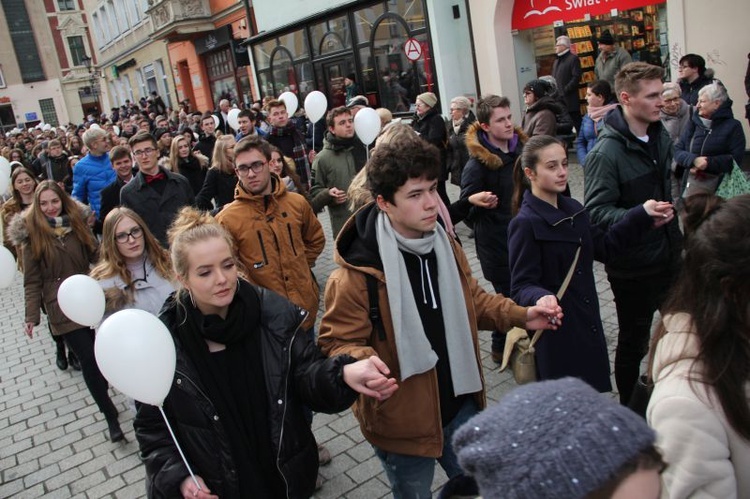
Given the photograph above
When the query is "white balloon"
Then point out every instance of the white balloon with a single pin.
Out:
(291, 102)
(315, 105)
(95, 126)
(232, 118)
(367, 125)
(7, 267)
(4, 175)
(81, 299)
(135, 353)
(47, 127)
(216, 119)
(116, 130)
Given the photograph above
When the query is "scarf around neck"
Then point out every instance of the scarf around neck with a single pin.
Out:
(299, 152)
(596, 113)
(415, 354)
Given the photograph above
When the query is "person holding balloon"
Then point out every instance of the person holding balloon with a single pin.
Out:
(56, 243)
(244, 371)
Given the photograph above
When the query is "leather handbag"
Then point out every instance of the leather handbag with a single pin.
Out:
(519, 349)
(700, 182)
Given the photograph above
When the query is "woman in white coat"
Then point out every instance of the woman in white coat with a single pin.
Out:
(700, 357)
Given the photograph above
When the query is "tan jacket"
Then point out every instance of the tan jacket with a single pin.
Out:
(409, 422)
(278, 240)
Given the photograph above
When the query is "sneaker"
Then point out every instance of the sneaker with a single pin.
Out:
(324, 455)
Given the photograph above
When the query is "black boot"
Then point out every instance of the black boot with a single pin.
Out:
(62, 362)
(73, 361)
(115, 432)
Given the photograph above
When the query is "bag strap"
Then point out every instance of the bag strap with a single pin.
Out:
(372, 296)
(560, 293)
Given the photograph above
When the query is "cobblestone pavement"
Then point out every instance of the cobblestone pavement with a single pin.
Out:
(53, 440)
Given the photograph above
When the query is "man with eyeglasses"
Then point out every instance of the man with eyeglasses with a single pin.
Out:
(155, 193)
(342, 157)
(693, 76)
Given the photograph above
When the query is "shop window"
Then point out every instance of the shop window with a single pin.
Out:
(412, 11)
(49, 114)
(296, 43)
(7, 119)
(331, 35)
(262, 53)
(284, 78)
(364, 19)
(77, 50)
(220, 70)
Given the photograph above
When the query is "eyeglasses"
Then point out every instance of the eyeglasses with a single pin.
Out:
(144, 152)
(255, 166)
(135, 233)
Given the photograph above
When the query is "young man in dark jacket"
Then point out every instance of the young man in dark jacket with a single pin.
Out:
(630, 164)
(429, 311)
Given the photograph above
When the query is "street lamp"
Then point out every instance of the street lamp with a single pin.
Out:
(94, 75)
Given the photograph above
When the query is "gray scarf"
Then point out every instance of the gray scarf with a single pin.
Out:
(415, 355)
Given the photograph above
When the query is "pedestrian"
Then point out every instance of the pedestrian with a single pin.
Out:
(629, 165)
(283, 134)
(560, 439)
(611, 58)
(56, 243)
(567, 73)
(207, 139)
(404, 292)
(244, 370)
(601, 100)
(218, 186)
(547, 233)
(540, 117)
(94, 171)
(462, 117)
(245, 123)
(430, 126)
(190, 164)
(700, 406)
(693, 75)
(122, 164)
(23, 183)
(350, 86)
(283, 167)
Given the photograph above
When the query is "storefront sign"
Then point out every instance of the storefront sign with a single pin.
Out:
(534, 13)
(412, 49)
(217, 38)
(241, 54)
(4, 100)
(30, 116)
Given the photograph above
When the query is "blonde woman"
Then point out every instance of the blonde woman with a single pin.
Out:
(218, 188)
(190, 164)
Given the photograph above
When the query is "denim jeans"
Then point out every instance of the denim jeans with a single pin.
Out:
(411, 476)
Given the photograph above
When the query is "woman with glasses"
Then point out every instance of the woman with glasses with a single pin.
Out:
(675, 116)
(218, 188)
(56, 243)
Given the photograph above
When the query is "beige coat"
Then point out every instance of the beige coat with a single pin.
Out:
(706, 457)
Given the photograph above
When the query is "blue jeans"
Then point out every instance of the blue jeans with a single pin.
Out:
(411, 476)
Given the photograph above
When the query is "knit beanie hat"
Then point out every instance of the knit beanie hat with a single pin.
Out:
(550, 439)
(606, 38)
(428, 98)
(539, 88)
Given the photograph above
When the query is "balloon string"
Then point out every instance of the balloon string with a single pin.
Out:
(184, 459)
(367, 148)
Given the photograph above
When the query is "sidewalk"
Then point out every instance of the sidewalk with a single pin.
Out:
(53, 441)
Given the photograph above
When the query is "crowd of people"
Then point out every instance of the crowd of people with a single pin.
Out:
(217, 231)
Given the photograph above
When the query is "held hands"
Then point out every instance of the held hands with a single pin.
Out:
(547, 314)
(337, 195)
(368, 377)
(485, 199)
(190, 491)
(699, 163)
(661, 211)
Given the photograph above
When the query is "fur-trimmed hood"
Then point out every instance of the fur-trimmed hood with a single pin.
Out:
(479, 149)
(18, 232)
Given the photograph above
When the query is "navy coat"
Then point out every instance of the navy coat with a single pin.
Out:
(542, 242)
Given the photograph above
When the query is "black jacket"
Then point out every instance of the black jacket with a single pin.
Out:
(567, 72)
(205, 146)
(431, 127)
(296, 375)
(110, 199)
(191, 169)
(217, 186)
(690, 90)
(458, 155)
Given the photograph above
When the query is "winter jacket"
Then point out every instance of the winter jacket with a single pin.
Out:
(675, 124)
(541, 117)
(431, 127)
(621, 174)
(157, 210)
(490, 169)
(587, 137)
(542, 242)
(42, 276)
(278, 240)
(690, 90)
(335, 166)
(205, 146)
(218, 187)
(707, 457)
(723, 143)
(567, 73)
(8, 210)
(194, 170)
(409, 422)
(90, 175)
(149, 294)
(606, 67)
(110, 199)
(457, 154)
(59, 168)
(296, 374)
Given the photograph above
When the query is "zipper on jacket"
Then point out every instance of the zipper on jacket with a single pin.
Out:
(571, 217)
(258, 265)
(286, 398)
(705, 139)
(291, 238)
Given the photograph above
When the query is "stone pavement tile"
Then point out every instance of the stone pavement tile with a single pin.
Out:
(87, 482)
(339, 464)
(338, 486)
(20, 471)
(61, 493)
(361, 452)
(365, 470)
(132, 491)
(29, 492)
(370, 489)
(41, 475)
(76, 460)
(63, 479)
(340, 444)
(33, 453)
(105, 488)
(9, 488)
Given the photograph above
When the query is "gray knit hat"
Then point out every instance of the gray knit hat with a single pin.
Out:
(550, 439)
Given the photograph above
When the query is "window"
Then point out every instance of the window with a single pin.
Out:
(128, 88)
(135, 12)
(23, 41)
(98, 35)
(49, 114)
(66, 4)
(112, 16)
(2, 78)
(162, 82)
(107, 32)
(77, 50)
(121, 17)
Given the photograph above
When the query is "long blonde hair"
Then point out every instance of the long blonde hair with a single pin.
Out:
(111, 263)
(174, 155)
(41, 235)
(220, 161)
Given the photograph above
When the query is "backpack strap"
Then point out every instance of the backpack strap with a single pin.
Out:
(372, 296)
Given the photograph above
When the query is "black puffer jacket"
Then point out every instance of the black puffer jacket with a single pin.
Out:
(431, 127)
(296, 374)
(458, 155)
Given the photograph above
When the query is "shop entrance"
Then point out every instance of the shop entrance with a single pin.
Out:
(334, 73)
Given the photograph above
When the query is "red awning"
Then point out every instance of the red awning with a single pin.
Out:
(533, 13)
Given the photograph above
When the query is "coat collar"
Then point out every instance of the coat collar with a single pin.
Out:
(479, 149)
(567, 208)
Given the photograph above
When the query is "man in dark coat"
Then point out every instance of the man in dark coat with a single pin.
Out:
(285, 135)
(567, 72)
(207, 140)
(122, 164)
(693, 77)
(430, 126)
(629, 165)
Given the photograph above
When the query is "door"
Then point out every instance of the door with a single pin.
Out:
(334, 73)
(523, 48)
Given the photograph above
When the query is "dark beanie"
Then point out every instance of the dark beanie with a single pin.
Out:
(539, 88)
(550, 439)
(351, 77)
(607, 38)
(159, 132)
